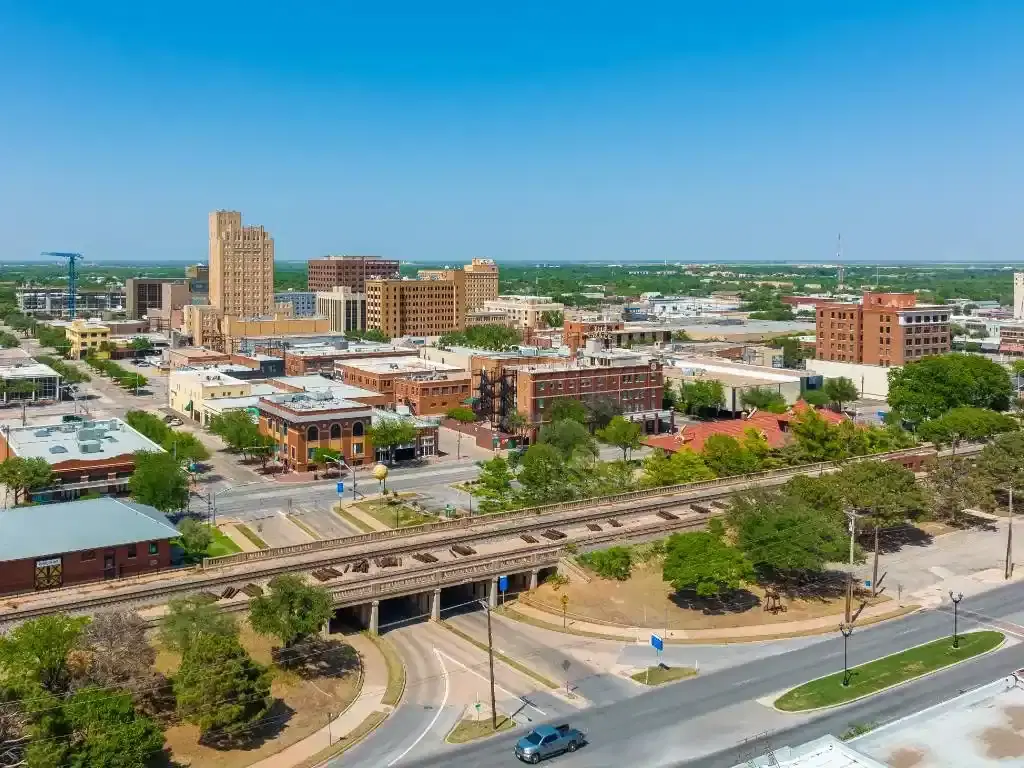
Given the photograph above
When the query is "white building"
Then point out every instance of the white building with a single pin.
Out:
(1018, 295)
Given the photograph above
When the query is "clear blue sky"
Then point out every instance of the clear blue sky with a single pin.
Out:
(560, 130)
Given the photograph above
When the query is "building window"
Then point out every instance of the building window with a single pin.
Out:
(89, 554)
(153, 547)
(131, 551)
(335, 431)
(313, 433)
(357, 449)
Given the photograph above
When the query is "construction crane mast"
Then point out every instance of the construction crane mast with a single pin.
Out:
(72, 277)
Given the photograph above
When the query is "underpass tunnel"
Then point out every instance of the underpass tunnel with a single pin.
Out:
(352, 617)
(398, 612)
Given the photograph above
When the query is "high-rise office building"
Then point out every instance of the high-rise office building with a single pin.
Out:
(345, 308)
(430, 307)
(349, 271)
(241, 266)
(481, 281)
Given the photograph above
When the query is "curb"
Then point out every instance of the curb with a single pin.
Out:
(780, 694)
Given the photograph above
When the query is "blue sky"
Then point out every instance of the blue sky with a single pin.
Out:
(554, 131)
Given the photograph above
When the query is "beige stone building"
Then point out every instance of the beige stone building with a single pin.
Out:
(524, 312)
(344, 309)
(427, 307)
(481, 281)
(241, 266)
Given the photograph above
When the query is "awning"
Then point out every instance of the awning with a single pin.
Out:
(189, 406)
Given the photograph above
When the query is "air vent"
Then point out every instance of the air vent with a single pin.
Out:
(58, 449)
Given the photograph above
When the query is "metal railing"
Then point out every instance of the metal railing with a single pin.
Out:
(516, 514)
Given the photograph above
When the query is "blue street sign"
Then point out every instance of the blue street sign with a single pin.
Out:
(867, 582)
(341, 488)
(503, 583)
(658, 643)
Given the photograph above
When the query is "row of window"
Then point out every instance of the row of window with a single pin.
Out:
(90, 554)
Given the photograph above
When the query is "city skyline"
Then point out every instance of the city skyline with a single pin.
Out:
(548, 136)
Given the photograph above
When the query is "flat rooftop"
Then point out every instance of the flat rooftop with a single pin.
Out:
(73, 526)
(697, 366)
(826, 752)
(84, 441)
(353, 349)
(212, 376)
(312, 402)
(316, 383)
(197, 352)
(30, 370)
(988, 724)
(397, 365)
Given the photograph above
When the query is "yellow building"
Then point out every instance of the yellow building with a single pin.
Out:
(432, 306)
(241, 266)
(85, 337)
(188, 388)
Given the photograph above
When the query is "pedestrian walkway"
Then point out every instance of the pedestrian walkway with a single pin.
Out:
(368, 520)
(869, 615)
(368, 701)
(229, 530)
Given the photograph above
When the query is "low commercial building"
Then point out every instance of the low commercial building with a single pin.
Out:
(524, 312)
(189, 388)
(380, 373)
(633, 382)
(303, 359)
(84, 456)
(872, 381)
(344, 308)
(28, 382)
(59, 545)
(433, 393)
(191, 357)
(314, 383)
(738, 378)
(475, 317)
(85, 337)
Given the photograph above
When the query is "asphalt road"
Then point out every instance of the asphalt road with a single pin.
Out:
(700, 722)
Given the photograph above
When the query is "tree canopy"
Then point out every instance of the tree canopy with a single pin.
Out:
(840, 390)
(682, 466)
(24, 475)
(764, 399)
(569, 409)
(965, 423)
(390, 433)
(568, 437)
(702, 396)
(159, 481)
(623, 434)
(189, 617)
(726, 456)
(291, 610)
(928, 388)
(703, 562)
(236, 428)
(499, 338)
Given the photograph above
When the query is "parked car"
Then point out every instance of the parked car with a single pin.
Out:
(173, 421)
(547, 741)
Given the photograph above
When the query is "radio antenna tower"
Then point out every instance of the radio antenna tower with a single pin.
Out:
(72, 277)
(841, 272)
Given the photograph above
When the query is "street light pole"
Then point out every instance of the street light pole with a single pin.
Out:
(956, 602)
(849, 575)
(1009, 539)
(847, 630)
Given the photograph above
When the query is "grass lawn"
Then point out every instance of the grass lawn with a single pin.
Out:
(250, 534)
(221, 544)
(885, 672)
(468, 730)
(386, 514)
(396, 670)
(661, 674)
(353, 520)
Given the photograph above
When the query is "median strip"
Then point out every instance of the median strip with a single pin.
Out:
(887, 672)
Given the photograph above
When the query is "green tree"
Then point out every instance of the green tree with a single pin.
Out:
(764, 399)
(189, 617)
(149, 425)
(606, 478)
(291, 611)
(499, 338)
(602, 410)
(552, 318)
(326, 457)
(236, 428)
(702, 396)
(682, 466)
(569, 437)
(883, 493)
(389, 433)
(140, 344)
(8, 340)
(36, 653)
(840, 390)
(133, 381)
(25, 475)
(494, 485)
(612, 563)
(816, 439)
(185, 447)
(195, 538)
(515, 423)
(779, 535)
(159, 481)
(543, 475)
(927, 388)
(623, 434)
(727, 456)
(220, 689)
(953, 486)
(569, 409)
(462, 415)
(703, 562)
(965, 423)
(1001, 462)
(815, 397)
(102, 729)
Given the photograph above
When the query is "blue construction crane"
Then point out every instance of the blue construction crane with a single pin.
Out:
(72, 277)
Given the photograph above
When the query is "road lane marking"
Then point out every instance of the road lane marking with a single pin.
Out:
(487, 680)
(433, 722)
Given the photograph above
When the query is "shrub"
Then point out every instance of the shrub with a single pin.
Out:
(612, 563)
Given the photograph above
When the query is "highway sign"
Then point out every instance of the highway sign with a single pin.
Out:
(658, 643)
(503, 583)
(341, 488)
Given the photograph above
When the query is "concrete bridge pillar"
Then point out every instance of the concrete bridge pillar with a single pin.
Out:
(533, 578)
(435, 605)
(374, 617)
(492, 593)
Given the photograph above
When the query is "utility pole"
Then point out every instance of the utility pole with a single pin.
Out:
(849, 575)
(1009, 538)
(490, 663)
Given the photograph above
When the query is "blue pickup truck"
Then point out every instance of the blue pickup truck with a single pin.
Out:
(546, 741)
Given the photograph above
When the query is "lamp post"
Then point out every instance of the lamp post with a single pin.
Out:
(956, 598)
(340, 461)
(847, 630)
(490, 662)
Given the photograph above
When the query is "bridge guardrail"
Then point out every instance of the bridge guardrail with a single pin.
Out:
(469, 522)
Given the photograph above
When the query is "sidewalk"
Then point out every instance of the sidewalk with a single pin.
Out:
(229, 530)
(358, 514)
(869, 615)
(368, 701)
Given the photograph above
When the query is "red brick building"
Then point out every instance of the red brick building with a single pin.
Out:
(55, 545)
(350, 271)
(433, 393)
